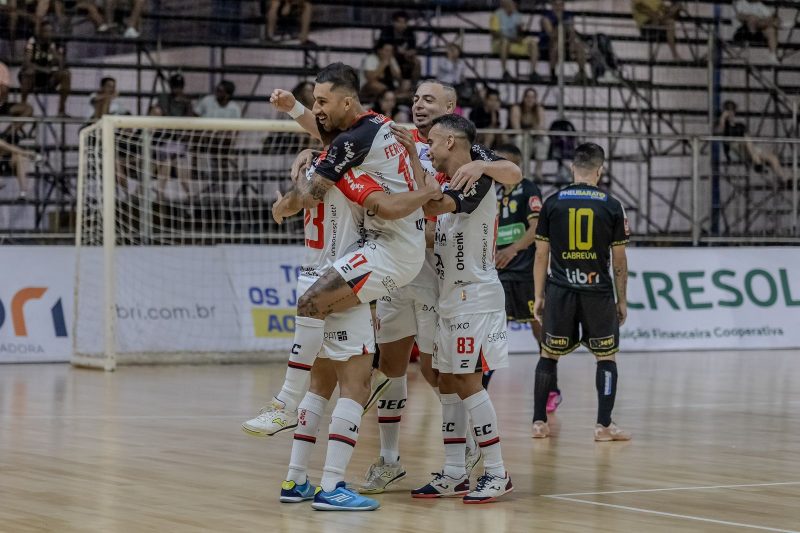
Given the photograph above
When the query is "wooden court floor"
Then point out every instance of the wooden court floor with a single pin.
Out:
(716, 448)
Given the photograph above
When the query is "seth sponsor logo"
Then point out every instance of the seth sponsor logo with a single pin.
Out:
(556, 342)
(602, 343)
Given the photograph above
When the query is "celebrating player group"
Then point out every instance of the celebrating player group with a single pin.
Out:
(409, 220)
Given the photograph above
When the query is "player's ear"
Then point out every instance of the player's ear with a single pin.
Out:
(348, 101)
(451, 141)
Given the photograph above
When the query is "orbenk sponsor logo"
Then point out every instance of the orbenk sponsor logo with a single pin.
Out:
(34, 300)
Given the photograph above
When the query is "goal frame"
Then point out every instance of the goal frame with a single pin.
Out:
(107, 127)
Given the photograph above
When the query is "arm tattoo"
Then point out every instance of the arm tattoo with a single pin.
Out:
(621, 282)
(316, 190)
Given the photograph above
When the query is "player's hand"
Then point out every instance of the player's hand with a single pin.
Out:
(622, 312)
(282, 100)
(538, 310)
(505, 256)
(404, 137)
(466, 176)
(279, 211)
(301, 164)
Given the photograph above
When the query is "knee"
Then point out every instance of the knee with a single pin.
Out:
(307, 307)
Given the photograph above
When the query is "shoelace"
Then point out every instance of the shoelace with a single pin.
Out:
(437, 476)
(483, 481)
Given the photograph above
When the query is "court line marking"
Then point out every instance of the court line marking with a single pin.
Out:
(672, 515)
(708, 487)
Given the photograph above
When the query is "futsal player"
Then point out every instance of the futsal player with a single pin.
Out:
(582, 231)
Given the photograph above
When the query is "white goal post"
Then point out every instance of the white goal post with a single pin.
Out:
(172, 213)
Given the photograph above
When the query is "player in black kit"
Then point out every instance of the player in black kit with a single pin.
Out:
(581, 232)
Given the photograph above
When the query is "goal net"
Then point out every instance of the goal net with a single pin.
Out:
(178, 258)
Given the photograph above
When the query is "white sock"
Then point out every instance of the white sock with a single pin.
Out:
(390, 409)
(309, 414)
(345, 420)
(484, 425)
(454, 430)
(308, 336)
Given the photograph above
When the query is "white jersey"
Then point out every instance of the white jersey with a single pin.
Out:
(369, 147)
(465, 248)
(335, 224)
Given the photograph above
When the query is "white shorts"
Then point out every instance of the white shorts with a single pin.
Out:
(471, 343)
(347, 333)
(378, 269)
(411, 312)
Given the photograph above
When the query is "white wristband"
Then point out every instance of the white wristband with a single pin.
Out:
(297, 110)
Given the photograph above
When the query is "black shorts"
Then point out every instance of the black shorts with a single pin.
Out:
(519, 300)
(595, 313)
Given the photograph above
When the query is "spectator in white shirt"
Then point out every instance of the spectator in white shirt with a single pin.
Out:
(104, 101)
(759, 23)
(219, 105)
(451, 69)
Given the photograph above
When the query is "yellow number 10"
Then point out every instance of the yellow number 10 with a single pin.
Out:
(578, 240)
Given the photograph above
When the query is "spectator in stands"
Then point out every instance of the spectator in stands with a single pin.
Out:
(405, 46)
(134, 29)
(749, 153)
(528, 114)
(7, 109)
(175, 103)
(759, 23)
(487, 116)
(508, 38)
(548, 42)
(380, 71)
(104, 101)
(451, 69)
(285, 10)
(169, 150)
(219, 105)
(43, 68)
(656, 21)
(62, 8)
(20, 161)
(387, 105)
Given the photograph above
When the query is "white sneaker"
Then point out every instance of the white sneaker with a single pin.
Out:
(443, 486)
(489, 488)
(131, 33)
(472, 457)
(380, 475)
(272, 419)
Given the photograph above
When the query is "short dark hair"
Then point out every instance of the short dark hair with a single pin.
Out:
(457, 123)
(340, 76)
(228, 86)
(176, 81)
(510, 149)
(397, 15)
(380, 43)
(490, 92)
(729, 105)
(106, 80)
(589, 156)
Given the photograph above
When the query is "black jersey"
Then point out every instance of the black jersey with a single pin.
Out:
(582, 223)
(517, 208)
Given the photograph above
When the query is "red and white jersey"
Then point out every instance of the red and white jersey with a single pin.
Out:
(369, 147)
(335, 224)
(465, 249)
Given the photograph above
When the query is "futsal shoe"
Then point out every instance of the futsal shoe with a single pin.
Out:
(540, 430)
(342, 499)
(443, 486)
(380, 475)
(379, 384)
(612, 432)
(553, 401)
(291, 492)
(271, 420)
(489, 488)
(471, 459)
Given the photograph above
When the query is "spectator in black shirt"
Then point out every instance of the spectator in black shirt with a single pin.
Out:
(175, 103)
(404, 41)
(43, 68)
(487, 116)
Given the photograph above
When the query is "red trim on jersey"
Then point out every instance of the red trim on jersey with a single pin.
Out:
(489, 442)
(356, 188)
(299, 366)
(484, 366)
(417, 136)
(368, 113)
(442, 178)
(357, 287)
(456, 440)
(342, 438)
(388, 419)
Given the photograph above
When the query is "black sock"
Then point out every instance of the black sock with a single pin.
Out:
(606, 383)
(546, 376)
(376, 358)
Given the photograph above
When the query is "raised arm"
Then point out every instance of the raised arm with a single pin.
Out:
(395, 206)
(285, 102)
(485, 162)
(305, 194)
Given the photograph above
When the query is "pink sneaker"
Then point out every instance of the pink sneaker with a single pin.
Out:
(553, 401)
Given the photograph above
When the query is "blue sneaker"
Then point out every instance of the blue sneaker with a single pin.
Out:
(342, 499)
(291, 492)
